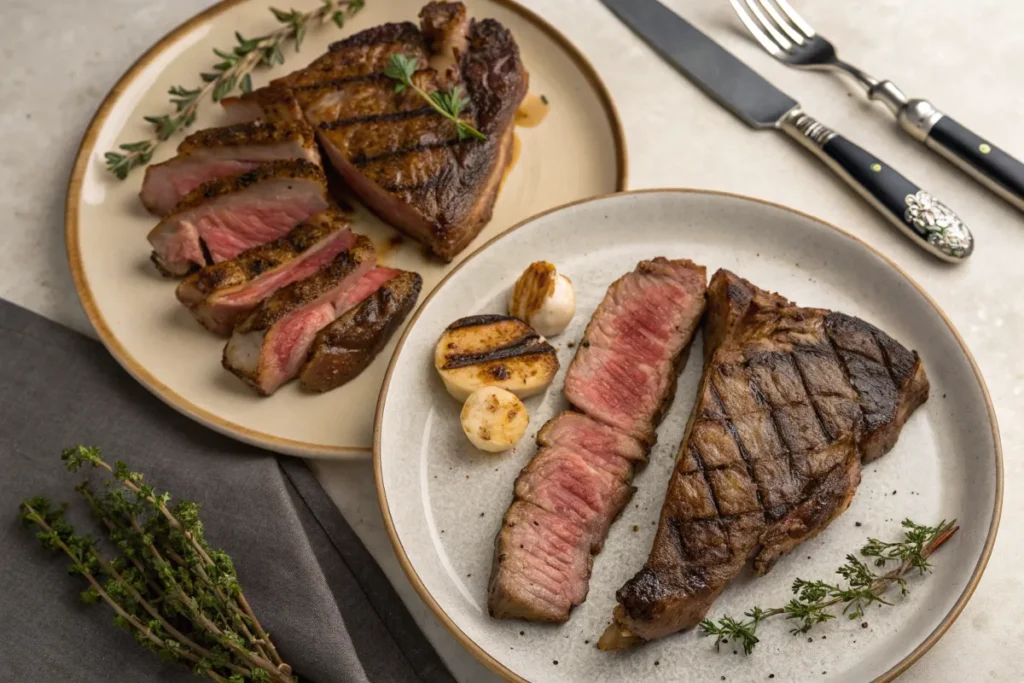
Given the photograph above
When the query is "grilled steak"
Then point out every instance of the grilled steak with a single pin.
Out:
(579, 481)
(792, 401)
(274, 103)
(402, 158)
(345, 347)
(624, 373)
(220, 219)
(271, 344)
(224, 153)
(221, 295)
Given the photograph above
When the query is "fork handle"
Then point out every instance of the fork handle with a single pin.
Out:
(989, 165)
(925, 220)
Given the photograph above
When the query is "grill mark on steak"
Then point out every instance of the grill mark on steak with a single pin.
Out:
(823, 392)
(427, 111)
(362, 160)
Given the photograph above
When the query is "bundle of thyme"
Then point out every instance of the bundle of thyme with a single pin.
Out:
(233, 71)
(176, 595)
(815, 600)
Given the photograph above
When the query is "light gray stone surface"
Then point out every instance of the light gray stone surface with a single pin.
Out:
(59, 59)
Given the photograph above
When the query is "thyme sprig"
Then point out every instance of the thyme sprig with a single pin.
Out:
(448, 104)
(233, 71)
(814, 600)
(178, 596)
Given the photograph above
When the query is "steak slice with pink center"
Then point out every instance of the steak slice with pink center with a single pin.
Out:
(220, 219)
(226, 152)
(622, 378)
(271, 344)
(541, 566)
(624, 373)
(221, 295)
(347, 346)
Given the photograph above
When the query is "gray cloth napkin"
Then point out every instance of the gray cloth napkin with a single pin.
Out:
(317, 591)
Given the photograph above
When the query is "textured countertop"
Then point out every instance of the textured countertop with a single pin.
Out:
(61, 58)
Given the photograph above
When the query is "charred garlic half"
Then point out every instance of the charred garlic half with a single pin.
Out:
(544, 298)
(494, 350)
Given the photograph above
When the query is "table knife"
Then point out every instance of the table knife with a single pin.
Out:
(924, 219)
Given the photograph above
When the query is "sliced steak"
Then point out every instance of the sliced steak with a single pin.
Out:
(271, 344)
(347, 346)
(402, 158)
(792, 401)
(567, 497)
(220, 219)
(624, 372)
(274, 103)
(217, 153)
(221, 295)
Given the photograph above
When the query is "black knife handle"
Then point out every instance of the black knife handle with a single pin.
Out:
(921, 217)
(990, 165)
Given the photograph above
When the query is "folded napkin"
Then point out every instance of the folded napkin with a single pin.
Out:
(328, 606)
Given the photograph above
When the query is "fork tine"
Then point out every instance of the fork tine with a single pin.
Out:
(804, 27)
(768, 26)
(755, 30)
(793, 34)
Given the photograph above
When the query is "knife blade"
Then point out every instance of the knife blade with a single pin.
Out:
(927, 221)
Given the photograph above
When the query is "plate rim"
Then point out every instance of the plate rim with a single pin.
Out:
(84, 156)
(507, 674)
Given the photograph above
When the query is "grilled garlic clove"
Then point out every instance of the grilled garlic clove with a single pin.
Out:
(544, 298)
(494, 419)
(494, 350)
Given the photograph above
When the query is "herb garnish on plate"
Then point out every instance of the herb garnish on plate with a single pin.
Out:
(233, 71)
(177, 596)
(815, 599)
(448, 104)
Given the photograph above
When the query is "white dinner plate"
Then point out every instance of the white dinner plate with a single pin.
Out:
(443, 501)
(576, 151)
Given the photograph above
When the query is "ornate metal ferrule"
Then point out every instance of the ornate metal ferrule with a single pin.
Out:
(807, 129)
(937, 223)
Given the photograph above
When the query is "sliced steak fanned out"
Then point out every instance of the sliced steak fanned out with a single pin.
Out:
(624, 373)
(221, 295)
(792, 401)
(223, 153)
(220, 219)
(274, 103)
(271, 344)
(579, 481)
(347, 346)
(403, 159)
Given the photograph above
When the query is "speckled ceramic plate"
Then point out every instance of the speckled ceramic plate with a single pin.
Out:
(443, 501)
(576, 151)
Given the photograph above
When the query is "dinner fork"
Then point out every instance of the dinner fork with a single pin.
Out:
(791, 40)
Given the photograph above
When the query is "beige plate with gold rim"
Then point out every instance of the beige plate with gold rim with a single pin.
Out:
(576, 151)
(443, 501)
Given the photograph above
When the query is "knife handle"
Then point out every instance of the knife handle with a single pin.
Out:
(989, 165)
(920, 216)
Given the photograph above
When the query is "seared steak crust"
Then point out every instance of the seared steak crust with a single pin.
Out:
(344, 348)
(295, 169)
(257, 132)
(298, 294)
(401, 157)
(791, 402)
(567, 497)
(255, 262)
